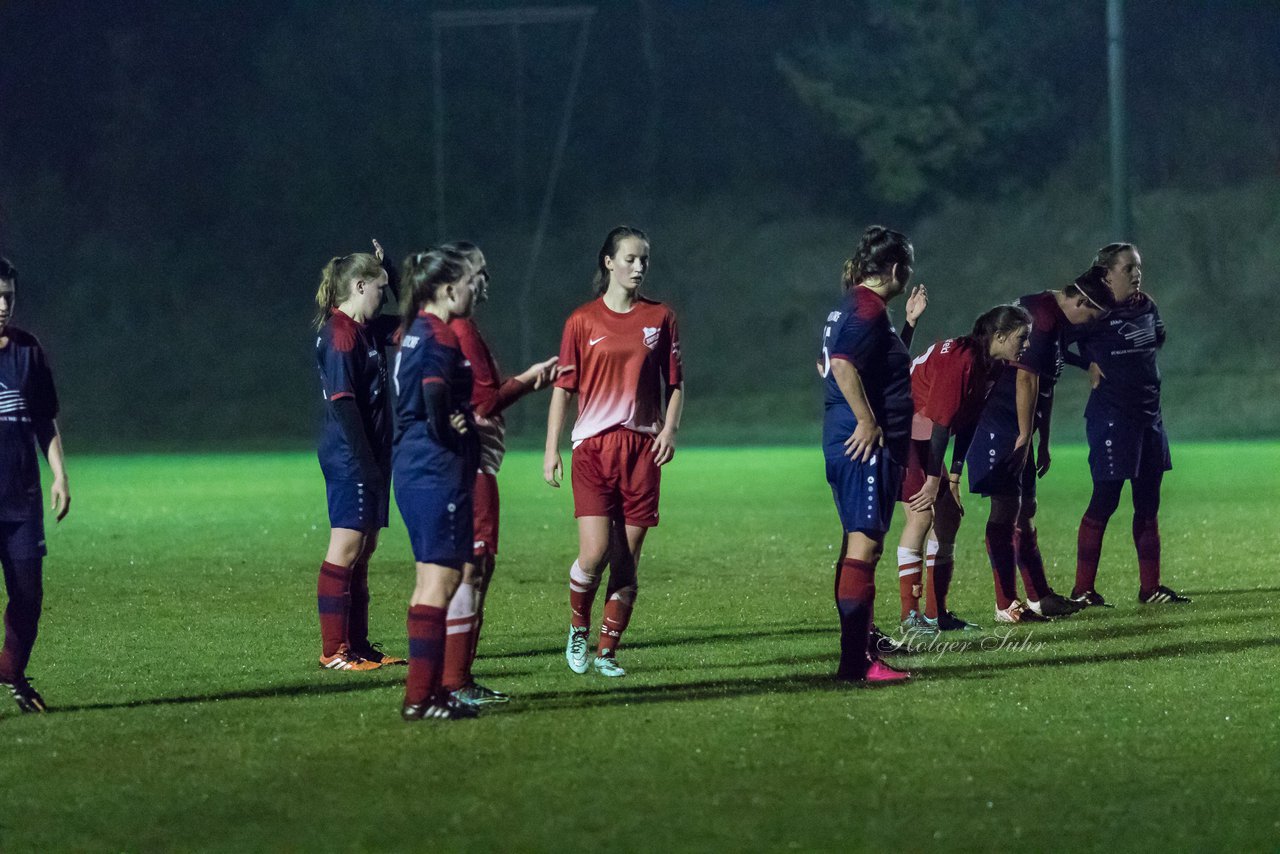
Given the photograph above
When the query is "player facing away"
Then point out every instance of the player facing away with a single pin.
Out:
(620, 355)
(1001, 462)
(1124, 425)
(28, 409)
(866, 430)
(950, 384)
(434, 458)
(490, 397)
(354, 451)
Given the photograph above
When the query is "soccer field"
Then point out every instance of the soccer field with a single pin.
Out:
(178, 656)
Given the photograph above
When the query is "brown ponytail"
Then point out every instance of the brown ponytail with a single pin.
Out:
(336, 279)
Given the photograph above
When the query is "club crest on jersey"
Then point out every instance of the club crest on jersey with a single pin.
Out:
(651, 337)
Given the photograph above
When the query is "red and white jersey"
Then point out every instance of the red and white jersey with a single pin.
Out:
(949, 386)
(620, 363)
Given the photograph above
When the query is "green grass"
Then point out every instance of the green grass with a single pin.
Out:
(179, 642)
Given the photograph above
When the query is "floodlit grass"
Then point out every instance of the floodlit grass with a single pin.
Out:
(179, 651)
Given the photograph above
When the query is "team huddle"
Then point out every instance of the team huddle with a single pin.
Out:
(414, 405)
(889, 421)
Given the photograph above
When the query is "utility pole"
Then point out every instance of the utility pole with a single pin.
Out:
(1121, 216)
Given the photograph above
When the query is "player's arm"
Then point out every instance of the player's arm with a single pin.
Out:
(1027, 385)
(393, 274)
(664, 446)
(917, 302)
(50, 440)
(347, 414)
(552, 465)
(1042, 450)
(867, 436)
(537, 376)
(964, 438)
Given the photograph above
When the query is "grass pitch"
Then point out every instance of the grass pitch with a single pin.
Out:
(179, 645)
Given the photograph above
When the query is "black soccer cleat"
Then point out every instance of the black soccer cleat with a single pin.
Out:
(27, 697)
(1054, 605)
(1162, 596)
(444, 708)
(1091, 599)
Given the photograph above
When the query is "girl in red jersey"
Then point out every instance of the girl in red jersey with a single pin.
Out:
(950, 383)
(620, 354)
(355, 450)
(490, 397)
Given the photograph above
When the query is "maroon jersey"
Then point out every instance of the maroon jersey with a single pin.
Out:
(950, 383)
(490, 425)
(618, 364)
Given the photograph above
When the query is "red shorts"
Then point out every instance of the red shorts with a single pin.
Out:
(486, 514)
(917, 460)
(614, 473)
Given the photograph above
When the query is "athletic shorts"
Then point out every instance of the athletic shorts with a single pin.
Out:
(22, 539)
(993, 471)
(914, 476)
(440, 524)
(353, 505)
(486, 516)
(1123, 450)
(865, 492)
(614, 474)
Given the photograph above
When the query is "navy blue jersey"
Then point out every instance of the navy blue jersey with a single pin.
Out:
(1043, 356)
(27, 397)
(352, 361)
(859, 331)
(1124, 345)
(430, 353)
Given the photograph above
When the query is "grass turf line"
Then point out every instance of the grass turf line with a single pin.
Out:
(179, 643)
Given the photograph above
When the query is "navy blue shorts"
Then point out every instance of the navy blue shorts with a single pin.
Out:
(865, 493)
(992, 467)
(1122, 450)
(22, 539)
(353, 505)
(440, 524)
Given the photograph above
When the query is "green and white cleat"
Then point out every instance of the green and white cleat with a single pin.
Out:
(607, 665)
(575, 651)
(918, 624)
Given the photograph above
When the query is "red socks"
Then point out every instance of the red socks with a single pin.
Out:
(1027, 545)
(358, 614)
(942, 563)
(582, 595)
(1088, 553)
(426, 653)
(460, 627)
(1003, 556)
(617, 613)
(910, 579)
(855, 595)
(333, 602)
(1146, 538)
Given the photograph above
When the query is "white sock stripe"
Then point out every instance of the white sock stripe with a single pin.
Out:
(903, 573)
(907, 555)
(931, 548)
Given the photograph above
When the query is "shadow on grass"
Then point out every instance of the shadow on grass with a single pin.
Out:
(693, 637)
(721, 689)
(368, 682)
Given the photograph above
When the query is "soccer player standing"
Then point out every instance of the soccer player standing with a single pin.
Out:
(434, 459)
(354, 451)
(865, 433)
(1124, 425)
(950, 383)
(28, 409)
(490, 397)
(620, 355)
(1001, 462)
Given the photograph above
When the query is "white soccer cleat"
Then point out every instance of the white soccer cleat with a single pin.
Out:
(607, 666)
(575, 651)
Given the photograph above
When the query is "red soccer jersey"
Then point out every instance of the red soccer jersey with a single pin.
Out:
(490, 426)
(620, 363)
(949, 385)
